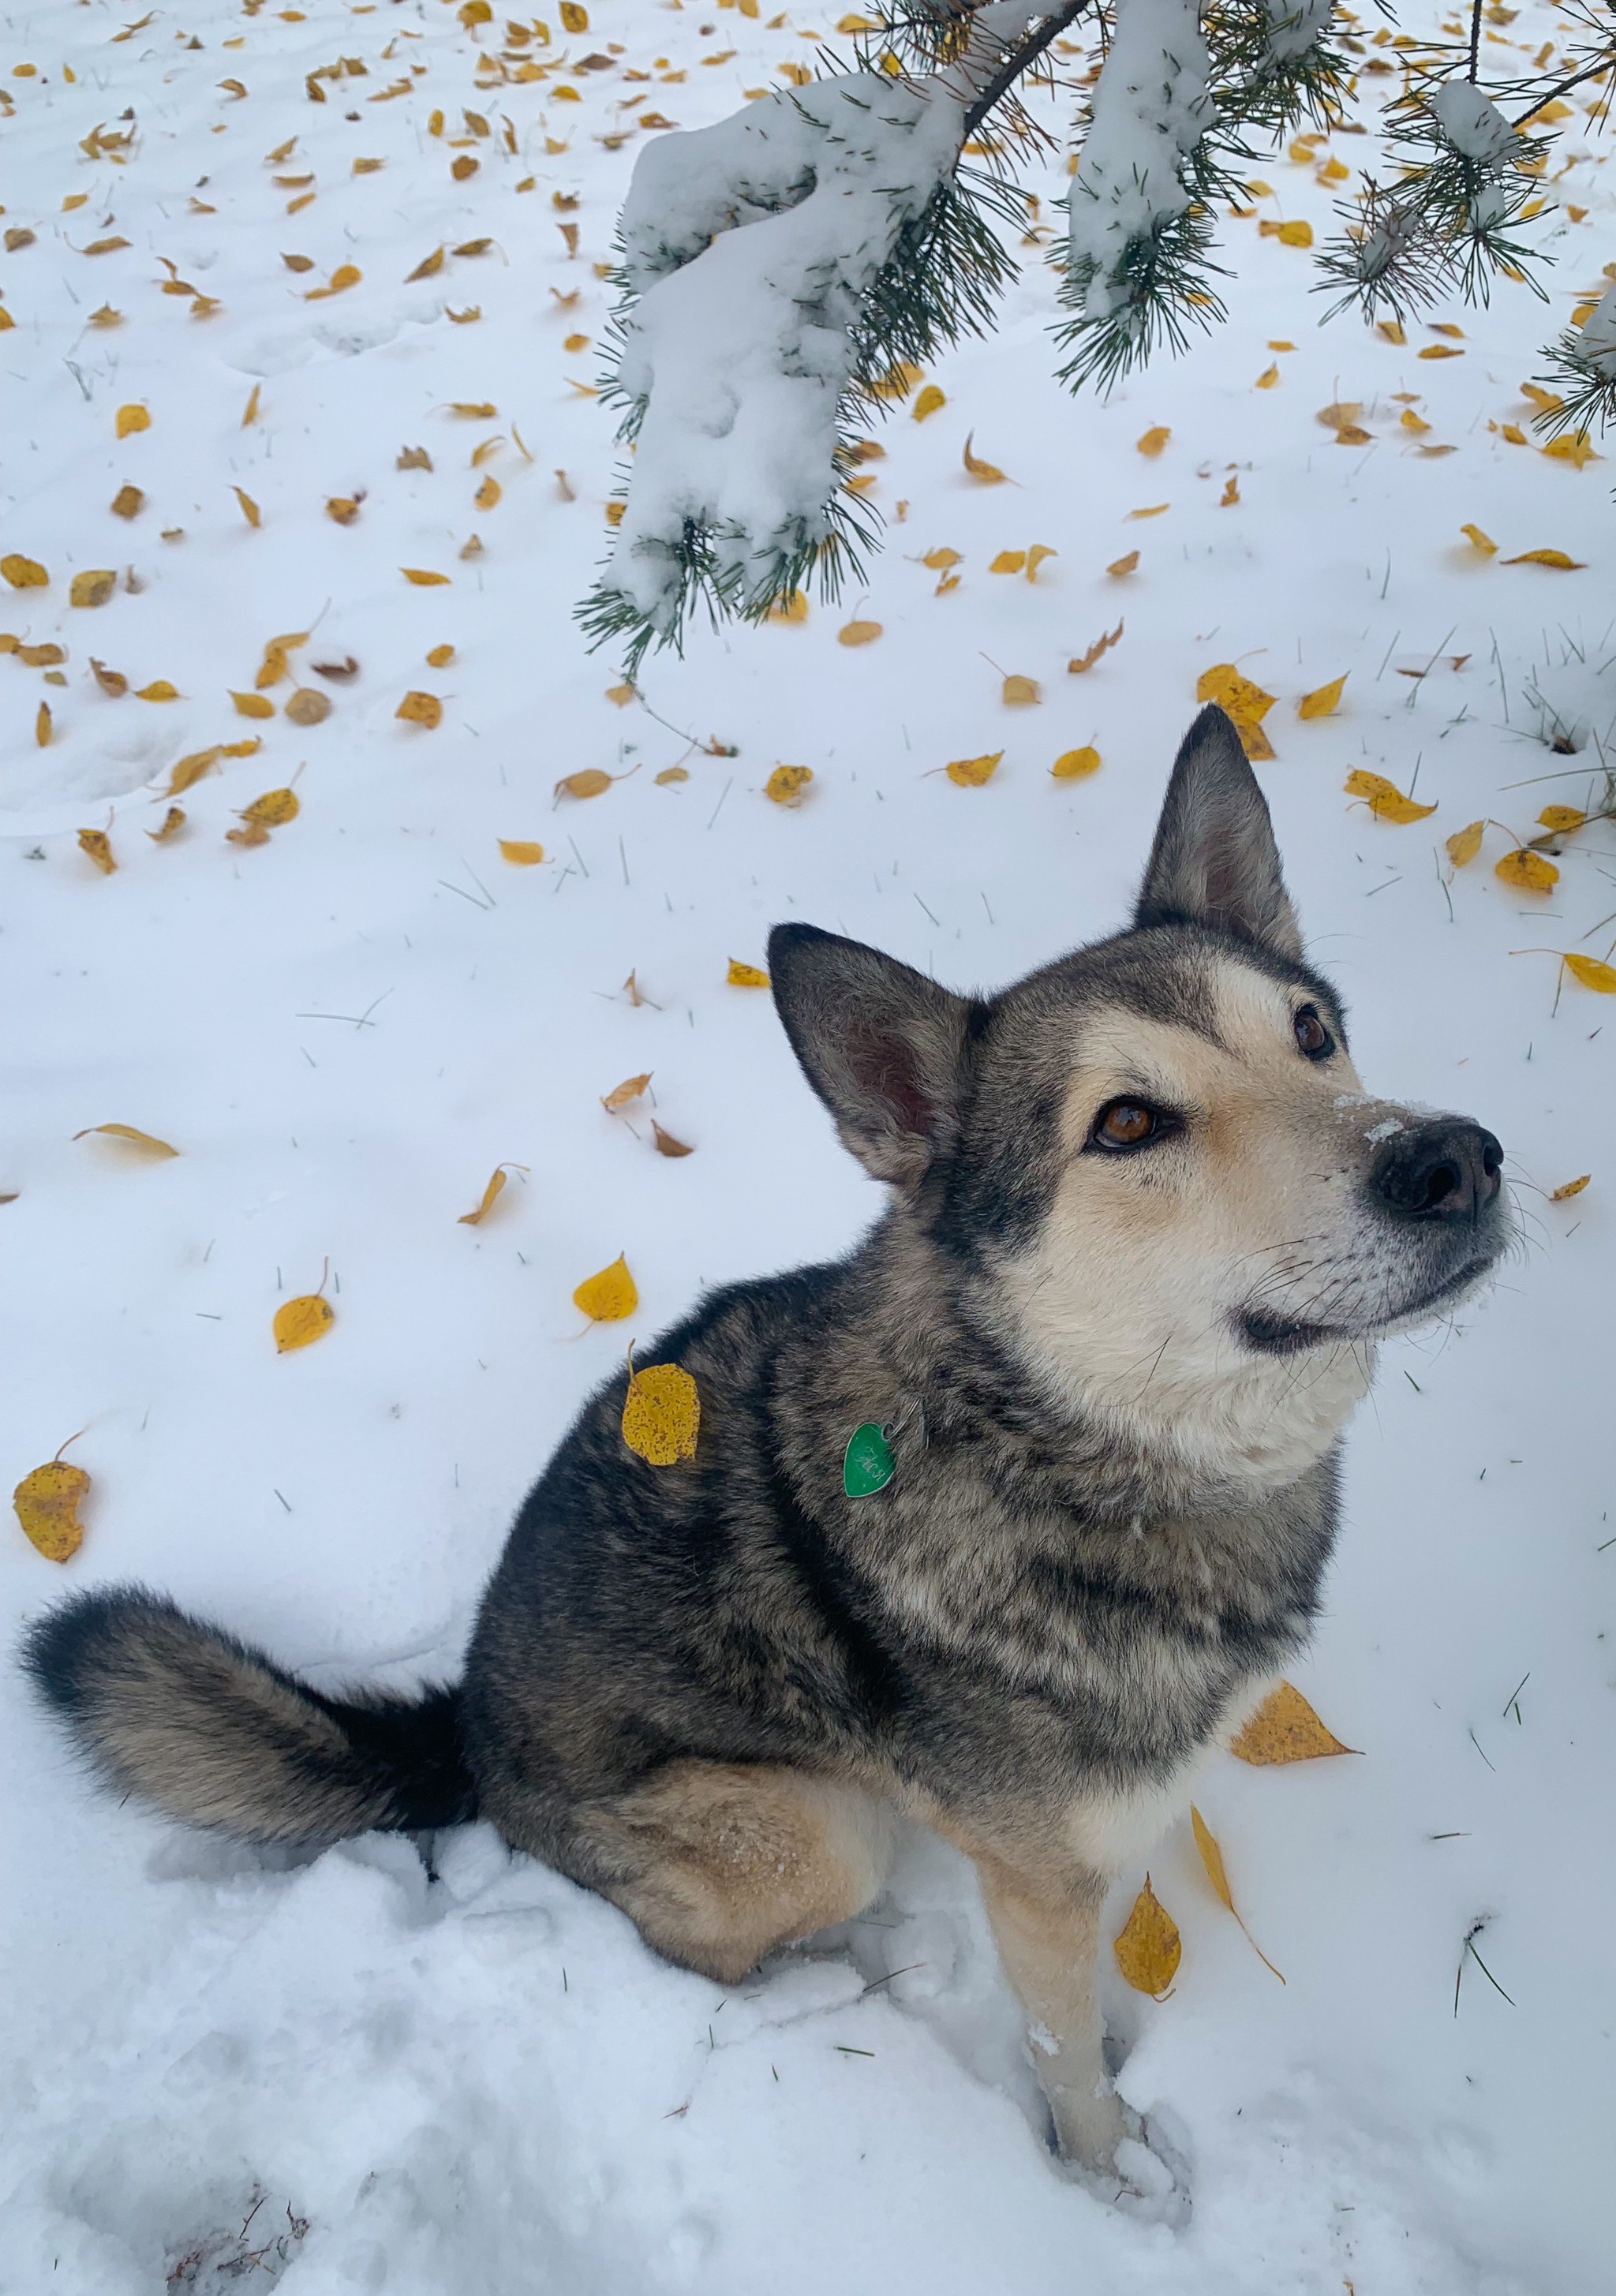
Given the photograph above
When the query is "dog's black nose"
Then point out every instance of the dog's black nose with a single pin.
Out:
(1448, 1169)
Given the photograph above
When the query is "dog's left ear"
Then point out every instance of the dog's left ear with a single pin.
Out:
(882, 1044)
(1214, 861)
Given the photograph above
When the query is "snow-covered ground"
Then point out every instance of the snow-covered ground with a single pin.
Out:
(482, 2084)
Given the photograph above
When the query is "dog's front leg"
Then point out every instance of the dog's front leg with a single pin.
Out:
(1047, 1926)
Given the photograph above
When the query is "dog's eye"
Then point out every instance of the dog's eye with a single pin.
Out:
(1312, 1036)
(1123, 1124)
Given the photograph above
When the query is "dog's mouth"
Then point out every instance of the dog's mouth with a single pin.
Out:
(1281, 1335)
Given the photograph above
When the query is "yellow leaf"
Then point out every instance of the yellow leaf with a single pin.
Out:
(1076, 765)
(191, 769)
(1153, 440)
(128, 502)
(1036, 556)
(1513, 432)
(343, 508)
(1484, 543)
(423, 577)
(522, 851)
(1410, 420)
(786, 783)
(1153, 510)
(1284, 1728)
(930, 398)
(490, 1195)
(1211, 1858)
(671, 773)
(609, 1295)
(1545, 558)
(1548, 401)
(1322, 701)
(174, 821)
(1465, 843)
(858, 634)
(1019, 692)
(661, 1415)
(42, 737)
(988, 473)
(274, 810)
(1573, 447)
(133, 418)
(1384, 800)
(1389, 331)
(93, 587)
(1528, 872)
(308, 706)
(1101, 645)
(104, 246)
(106, 317)
(1245, 702)
(428, 265)
(1008, 562)
(95, 845)
(574, 18)
(1147, 1947)
(488, 495)
(421, 709)
(249, 509)
(242, 748)
(621, 1094)
(47, 1503)
(1592, 971)
(940, 561)
(741, 975)
(898, 382)
(794, 609)
(440, 657)
(1565, 817)
(23, 573)
(345, 275)
(111, 680)
(1124, 565)
(1569, 1188)
(1268, 378)
(160, 690)
(252, 705)
(1295, 235)
(302, 1321)
(249, 412)
(145, 1141)
(971, 773)
(590, 783)
(1439, 350)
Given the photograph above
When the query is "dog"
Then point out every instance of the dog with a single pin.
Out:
(1002, 1522)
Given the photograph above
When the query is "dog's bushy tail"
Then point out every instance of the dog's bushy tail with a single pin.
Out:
(214, 1732)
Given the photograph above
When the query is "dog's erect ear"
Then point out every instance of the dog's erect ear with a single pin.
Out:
(1214, 861)
(881, 1045)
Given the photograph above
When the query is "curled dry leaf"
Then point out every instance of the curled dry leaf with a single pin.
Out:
(1384, 800)
(522, 851)
(93, 587)
(1076, 765)
(308, 707)
(591, 782)
(174, 821)
(662, 1414)
(490, 1197)
(930, 399)
(343, 508)
(438, 657)
(252, 705)
(43, 726)
(1284, 1728)
(340, 672)
(745, 976)
(273, 811)
(1323, 700)
(1569, 1188)
(1147, 1947)
(1036, 556)
(96, 846)
(1592, 971)
(1465, 843)
(1527, 873)
(786, 784)
(1120, 566)
(971, 773)
(1211, 1858)
(128, 502)
(1556, 558)
(1020, 693)
(621, 1094)
(249, 509)
(145, 1143)
(665, 1144)
(1102, 644)
(1153, 440)
(989, 473)
(111, 680)
(858, 634)
(1008, 562)
(130, 419)
(300, 1321)
(609, 1295)
(47, 1502)
(418, 708)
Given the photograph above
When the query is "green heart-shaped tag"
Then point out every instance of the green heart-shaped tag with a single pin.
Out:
(868, 1464)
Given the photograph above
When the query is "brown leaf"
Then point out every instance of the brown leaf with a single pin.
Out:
(1100, 646)
(667, 1145)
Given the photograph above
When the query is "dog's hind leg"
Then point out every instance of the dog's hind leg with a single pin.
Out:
(1047, 1926)
(717, 1863)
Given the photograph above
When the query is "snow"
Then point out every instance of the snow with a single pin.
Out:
(1151, 109)
(480, 2084)
(1472, 123)
(1596, 337)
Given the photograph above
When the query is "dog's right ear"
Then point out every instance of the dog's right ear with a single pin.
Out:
(881, 1045)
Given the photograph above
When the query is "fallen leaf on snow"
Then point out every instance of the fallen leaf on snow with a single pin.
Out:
(95, 845)
(609, 1295)
(300, 1322)
(786, 783)
(665, 1144)
(522, 851)
(130, 419)
(1528, 872)
(1076, 765)
(1592, 971)
(971, 773)
(1147, 1947)
(988, 473)
(1569, 1188)
(1322, 701)
(1101, 645)
(1211, 1858)
(621, 1094)
(145, 1141)
(93, 587)
(1465, 843)
(741, 975)
(490, 1197)
(418, 708)
(1556, 558)
(47, 1502)
(1384, 800)
(1284, 1728)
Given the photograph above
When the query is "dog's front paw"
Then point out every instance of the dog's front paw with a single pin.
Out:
(1120, 2157)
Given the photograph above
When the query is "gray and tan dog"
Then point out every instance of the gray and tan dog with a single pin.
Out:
(1145, 1228)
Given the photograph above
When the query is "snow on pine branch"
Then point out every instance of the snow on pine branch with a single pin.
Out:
(751, 252)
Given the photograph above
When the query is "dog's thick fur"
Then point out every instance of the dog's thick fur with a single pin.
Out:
(1113, 1377)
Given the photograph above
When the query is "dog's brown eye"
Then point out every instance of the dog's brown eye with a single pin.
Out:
(1125, 1124)
(1312, 1036)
